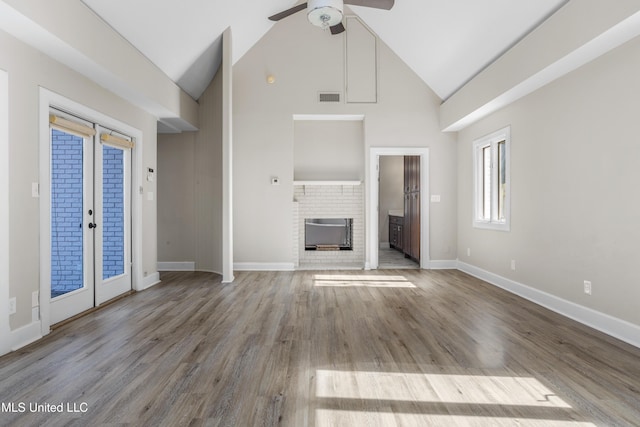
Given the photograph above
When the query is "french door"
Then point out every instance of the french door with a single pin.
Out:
(90, 216)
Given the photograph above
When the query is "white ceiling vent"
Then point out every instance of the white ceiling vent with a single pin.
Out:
(329, 97)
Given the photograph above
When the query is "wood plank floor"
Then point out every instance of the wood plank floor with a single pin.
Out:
(324, 348)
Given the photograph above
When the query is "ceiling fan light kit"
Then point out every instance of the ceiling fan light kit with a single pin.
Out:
(328, 14)
(325, 13)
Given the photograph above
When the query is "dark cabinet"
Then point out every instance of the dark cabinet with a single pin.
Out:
(395, 232)
(411, 224)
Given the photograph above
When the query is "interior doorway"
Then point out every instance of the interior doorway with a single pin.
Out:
(413, 208)
(398, 212)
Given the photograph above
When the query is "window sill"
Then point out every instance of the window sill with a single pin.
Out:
(497, 226)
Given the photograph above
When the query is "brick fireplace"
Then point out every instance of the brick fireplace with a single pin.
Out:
(332, 202)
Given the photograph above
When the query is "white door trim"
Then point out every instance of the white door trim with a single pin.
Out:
(51, 99)
(374, 186)
(5, 330)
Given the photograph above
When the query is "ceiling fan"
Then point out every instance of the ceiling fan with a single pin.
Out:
(328, 13)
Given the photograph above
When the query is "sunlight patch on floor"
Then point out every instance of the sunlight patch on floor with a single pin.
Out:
(326, 418)
(396, 398)
(367, 281)
(436, 388)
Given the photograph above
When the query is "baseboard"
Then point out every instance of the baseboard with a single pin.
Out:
(617, 328)
(263, 266)
(150, 280)
(25, 335)
(443, 264)
(177, 266)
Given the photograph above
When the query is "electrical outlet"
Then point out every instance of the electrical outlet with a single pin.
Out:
(12, 305)
(468, 251)
(587, 287)
(513, 264)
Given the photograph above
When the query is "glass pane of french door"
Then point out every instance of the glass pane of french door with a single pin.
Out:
(71, 216)
(67, 210)
(113, 212)
(113, 234)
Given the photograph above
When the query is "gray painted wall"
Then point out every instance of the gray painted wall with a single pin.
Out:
(190, 188)
(29, 70)
(305, 61)
(574, 174)
(176, 197)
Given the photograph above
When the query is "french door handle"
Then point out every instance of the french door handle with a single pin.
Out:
(92, 225)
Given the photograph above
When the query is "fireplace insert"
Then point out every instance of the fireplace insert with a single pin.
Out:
(328, 234)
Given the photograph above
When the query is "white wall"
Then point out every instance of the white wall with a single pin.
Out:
(28, 70)
(76, 36)
(574, 196)
(304, 61)
(576, 34)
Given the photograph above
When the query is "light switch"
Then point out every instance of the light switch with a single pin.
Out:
(35, 189)
(435, 198)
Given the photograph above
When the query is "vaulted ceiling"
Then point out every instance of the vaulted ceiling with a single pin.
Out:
(446, 42)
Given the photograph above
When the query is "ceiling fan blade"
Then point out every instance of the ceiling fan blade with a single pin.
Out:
(337, 29)
(376, 4)
(285, 13)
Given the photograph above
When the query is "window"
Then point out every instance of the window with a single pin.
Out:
(491, 181)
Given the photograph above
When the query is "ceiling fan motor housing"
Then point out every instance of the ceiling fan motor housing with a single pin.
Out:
(325, 13)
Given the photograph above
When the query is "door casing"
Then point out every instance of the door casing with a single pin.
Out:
(374, 203)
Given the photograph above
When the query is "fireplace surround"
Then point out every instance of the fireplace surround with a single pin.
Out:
(327, 202)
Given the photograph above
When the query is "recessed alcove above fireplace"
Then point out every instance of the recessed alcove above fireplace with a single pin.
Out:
(328, 170)
(328, 150)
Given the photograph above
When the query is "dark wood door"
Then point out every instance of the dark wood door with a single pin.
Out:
(408, 168)
(415, 178)
(411, 227)
(406, 228)
(415, 225)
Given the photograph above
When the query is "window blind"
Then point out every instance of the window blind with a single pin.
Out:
(69, 126)
(116, 141)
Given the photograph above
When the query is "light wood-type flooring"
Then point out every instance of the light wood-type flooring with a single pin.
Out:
(323, 348)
